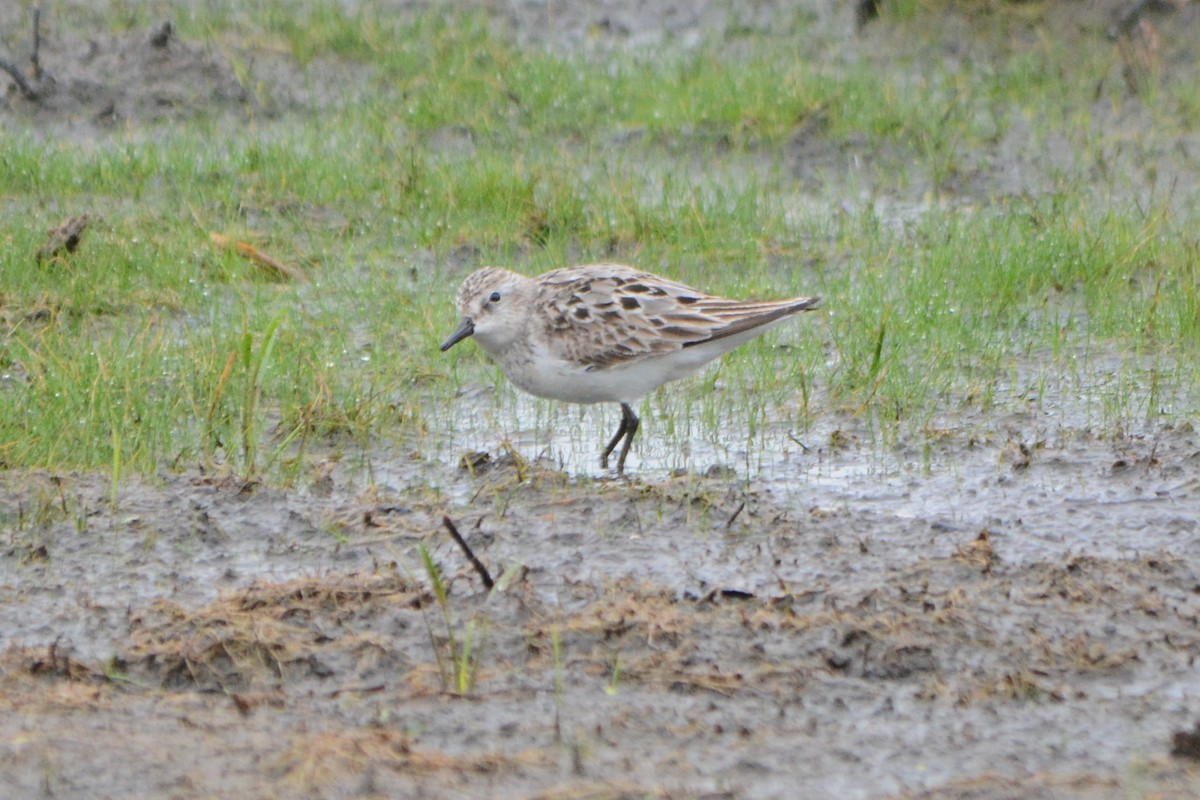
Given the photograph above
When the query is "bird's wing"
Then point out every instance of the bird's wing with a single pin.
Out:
(604, 315)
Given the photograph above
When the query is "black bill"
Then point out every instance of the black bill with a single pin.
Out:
(464, 329)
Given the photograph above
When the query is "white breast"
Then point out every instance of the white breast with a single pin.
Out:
(556, 379)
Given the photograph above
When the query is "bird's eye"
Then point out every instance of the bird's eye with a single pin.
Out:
(495, 298)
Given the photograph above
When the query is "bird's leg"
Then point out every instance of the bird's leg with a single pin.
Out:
(620, 434)
(629, 424)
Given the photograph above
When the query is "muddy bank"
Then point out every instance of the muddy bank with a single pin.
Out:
(669, 636)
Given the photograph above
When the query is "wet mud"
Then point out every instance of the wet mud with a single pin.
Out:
(666, 636)
(1014, 614)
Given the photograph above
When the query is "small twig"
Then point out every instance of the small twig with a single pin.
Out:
(35, 66)
(729, 523)
(379, 687)
(717, 593)
(1152, 459)
(23, 85)
(484, 575)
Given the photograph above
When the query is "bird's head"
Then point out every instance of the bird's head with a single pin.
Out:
(494, 304)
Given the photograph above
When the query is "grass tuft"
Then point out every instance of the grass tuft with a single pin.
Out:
(751, 166)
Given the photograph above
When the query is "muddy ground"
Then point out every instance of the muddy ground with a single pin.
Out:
(1014, 614)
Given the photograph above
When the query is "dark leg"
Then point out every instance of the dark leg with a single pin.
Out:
(631, 426)
(620, 434)
(626, 430)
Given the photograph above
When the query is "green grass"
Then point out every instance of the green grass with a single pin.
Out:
(153, 347)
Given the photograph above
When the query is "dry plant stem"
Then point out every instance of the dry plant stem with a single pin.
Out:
(23, 84)
(255, 256)
(35, 65)
(484, 575)
(734, 516)
(27, 91)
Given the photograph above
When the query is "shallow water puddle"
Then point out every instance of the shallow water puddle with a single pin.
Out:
(1041, 488)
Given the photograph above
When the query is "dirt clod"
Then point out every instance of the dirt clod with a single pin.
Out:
(63, 239)
(1186, 744)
